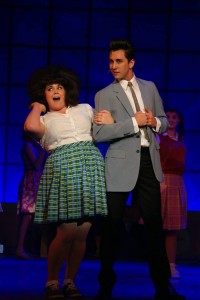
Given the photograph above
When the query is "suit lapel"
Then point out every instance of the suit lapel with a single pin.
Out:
(121, 96)
(144, 94)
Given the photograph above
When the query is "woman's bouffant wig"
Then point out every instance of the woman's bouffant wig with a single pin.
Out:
(53, 74)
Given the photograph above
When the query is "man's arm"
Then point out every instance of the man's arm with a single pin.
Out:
(110, 132)
(157, 117)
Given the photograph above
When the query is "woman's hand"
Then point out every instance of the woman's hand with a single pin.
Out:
(103, 117)
(38, 105)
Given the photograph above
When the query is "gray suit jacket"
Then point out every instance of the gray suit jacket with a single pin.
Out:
(122, 161)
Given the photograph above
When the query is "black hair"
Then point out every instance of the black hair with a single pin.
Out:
(54, 74)
(122, 44)
(180, 127)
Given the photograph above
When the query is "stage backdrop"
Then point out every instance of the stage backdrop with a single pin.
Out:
(76, 33)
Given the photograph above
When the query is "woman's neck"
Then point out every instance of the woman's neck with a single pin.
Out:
(172, 134)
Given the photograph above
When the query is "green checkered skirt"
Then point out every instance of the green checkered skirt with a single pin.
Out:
(72, 186)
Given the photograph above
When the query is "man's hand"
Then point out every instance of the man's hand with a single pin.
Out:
(151, 120)
(141, 118)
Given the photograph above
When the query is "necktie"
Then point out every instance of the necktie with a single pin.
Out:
(137, 106)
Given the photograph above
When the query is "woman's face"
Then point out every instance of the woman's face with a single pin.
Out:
(173, 119)
(55, 95)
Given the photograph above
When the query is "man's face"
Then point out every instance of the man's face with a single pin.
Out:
(119, 65)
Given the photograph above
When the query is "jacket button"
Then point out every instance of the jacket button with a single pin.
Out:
(138, 151)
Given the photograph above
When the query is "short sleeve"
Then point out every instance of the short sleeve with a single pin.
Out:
(90, 110)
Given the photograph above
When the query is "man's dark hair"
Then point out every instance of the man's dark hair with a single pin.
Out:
(53, 74)
(126, 45)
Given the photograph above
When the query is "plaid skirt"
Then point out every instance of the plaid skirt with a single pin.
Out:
(174, 202)
(72, 186)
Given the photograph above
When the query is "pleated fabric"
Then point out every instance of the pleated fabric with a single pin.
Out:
(174, 202)
(72, 186)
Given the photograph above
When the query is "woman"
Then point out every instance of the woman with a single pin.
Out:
(173, 191)
(33, 157)
(72, 187)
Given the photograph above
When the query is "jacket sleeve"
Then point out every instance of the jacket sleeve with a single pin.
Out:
(159, 110)
(120, 129)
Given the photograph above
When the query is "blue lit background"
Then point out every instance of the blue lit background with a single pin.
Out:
(77, 34)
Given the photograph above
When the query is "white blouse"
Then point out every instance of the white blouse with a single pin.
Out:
(73, 126)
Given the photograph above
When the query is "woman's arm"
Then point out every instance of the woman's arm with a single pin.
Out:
(32, 123)
(103, 117)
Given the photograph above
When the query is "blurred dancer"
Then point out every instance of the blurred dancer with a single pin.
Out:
(33, 156)
(173, 190)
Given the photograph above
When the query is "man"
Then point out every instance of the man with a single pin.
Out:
(132, 165)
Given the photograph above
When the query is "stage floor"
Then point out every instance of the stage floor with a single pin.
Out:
(25, 279)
